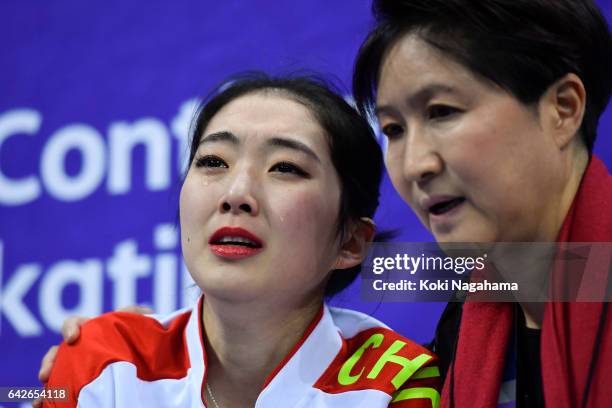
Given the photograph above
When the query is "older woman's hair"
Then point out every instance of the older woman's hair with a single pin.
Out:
(523, 46)
(354, 152)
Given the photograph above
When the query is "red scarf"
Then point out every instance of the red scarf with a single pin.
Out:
(568, 329)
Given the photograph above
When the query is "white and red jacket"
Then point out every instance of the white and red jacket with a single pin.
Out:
(344, 359)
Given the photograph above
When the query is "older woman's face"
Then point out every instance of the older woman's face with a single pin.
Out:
(260, 202)
(472, 161)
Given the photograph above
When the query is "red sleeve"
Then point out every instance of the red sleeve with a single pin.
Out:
(60, 377)
(156, 351)
(383, 360)
(422, 390)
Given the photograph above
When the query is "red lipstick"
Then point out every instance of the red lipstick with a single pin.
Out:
(235, 243)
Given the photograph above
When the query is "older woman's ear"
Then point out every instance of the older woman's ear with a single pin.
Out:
(564, 104)
(354, 248)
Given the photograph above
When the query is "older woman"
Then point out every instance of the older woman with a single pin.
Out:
(491, 109)
(275, 212)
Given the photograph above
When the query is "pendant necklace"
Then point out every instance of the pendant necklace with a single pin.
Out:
(212, 397)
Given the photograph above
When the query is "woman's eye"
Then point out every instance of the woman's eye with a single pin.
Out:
(392, 130)
(211, 161)
(441, 111)
(285, 167)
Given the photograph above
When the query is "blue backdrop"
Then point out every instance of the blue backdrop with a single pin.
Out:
(95, 103)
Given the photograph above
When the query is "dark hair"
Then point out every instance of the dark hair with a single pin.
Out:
(523, 46)
(354, 151)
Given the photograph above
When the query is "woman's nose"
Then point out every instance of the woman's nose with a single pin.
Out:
(420, 161)
(240, 196)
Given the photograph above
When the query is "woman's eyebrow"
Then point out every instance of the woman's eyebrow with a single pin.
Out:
(419, 96)
(428, 92)
(223, 136)
(292, 144)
